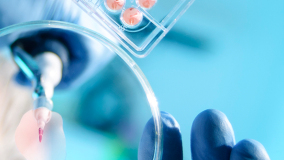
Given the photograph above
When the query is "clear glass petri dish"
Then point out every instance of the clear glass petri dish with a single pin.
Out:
(121, 141)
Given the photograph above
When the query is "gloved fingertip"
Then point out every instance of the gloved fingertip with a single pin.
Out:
(212, 136)
(249, 149)
(172, 142)
(170, 121)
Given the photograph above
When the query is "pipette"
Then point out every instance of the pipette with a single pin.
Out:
(45, 72)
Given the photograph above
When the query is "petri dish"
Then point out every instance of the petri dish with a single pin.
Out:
(117, 89)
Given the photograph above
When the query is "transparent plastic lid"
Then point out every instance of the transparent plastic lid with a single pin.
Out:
(102, 119)
(138, 25)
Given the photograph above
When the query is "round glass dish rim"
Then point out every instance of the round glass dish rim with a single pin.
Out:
(120, 52)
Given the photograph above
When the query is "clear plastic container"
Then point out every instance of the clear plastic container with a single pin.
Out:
(137, 119)
(138, 39)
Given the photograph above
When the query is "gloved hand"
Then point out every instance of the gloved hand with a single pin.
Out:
(212, 138)
(67, 45)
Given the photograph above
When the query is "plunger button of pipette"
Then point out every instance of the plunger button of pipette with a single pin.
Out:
(40, 132)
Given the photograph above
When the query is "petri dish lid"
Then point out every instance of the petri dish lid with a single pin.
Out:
(153, 110)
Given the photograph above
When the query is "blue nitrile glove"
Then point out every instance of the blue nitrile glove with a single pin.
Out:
(212, 138)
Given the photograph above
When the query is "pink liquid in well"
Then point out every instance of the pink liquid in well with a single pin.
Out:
(132, 16)
(115, 5)
(147, 3)
(52, 146)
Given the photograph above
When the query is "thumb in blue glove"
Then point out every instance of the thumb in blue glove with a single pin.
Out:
(172, 142)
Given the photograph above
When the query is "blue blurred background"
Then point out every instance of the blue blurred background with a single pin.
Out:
(225, 55)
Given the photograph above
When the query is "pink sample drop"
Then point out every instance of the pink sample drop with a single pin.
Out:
(115, 5)
(147, 3)
(132, 16)
(40, 132)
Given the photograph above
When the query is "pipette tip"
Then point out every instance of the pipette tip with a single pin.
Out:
(40, 132)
